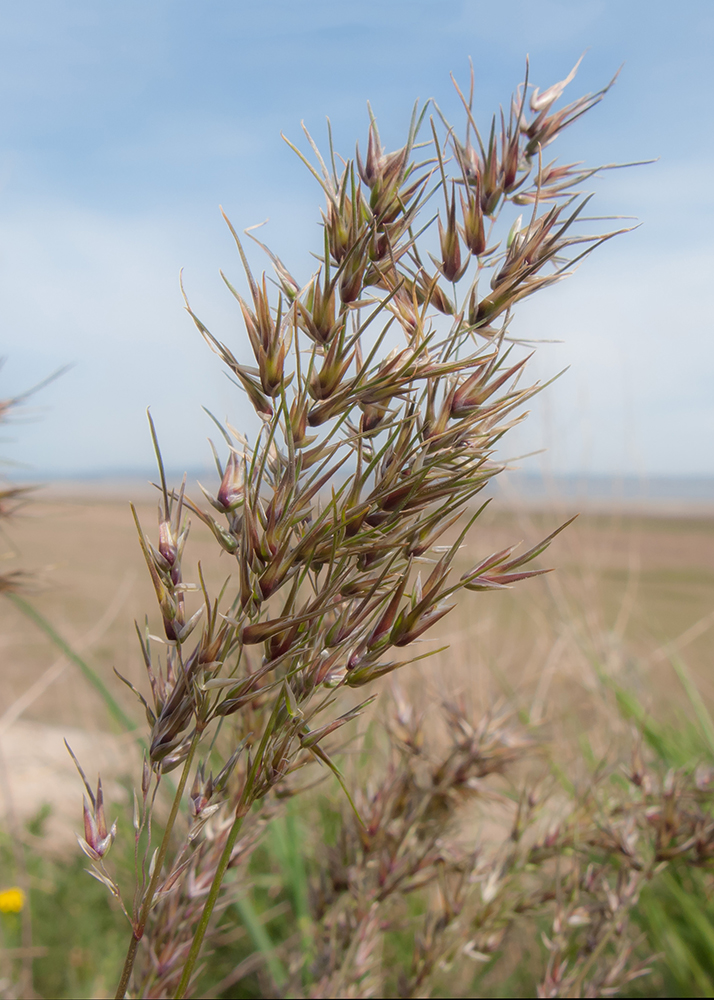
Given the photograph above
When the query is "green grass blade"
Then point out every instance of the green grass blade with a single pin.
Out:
(667, 916)
(261, 939)
(667, 745)
(695, 699)
(286, 839)
(691, 907)
(680, 962)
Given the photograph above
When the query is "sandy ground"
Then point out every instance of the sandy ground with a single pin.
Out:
(37, 772)
(631, 587)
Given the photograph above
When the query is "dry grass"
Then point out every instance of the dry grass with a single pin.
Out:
(614, 599)
(645, 580)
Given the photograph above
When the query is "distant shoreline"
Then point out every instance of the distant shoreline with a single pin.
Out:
(658, 495)
(691, 495)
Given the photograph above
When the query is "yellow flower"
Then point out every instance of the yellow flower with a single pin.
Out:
(12, 900)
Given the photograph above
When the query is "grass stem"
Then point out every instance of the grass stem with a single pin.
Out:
(138, 931)
(210, 903)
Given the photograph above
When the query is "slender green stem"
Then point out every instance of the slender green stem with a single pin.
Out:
(210, 903)
(128, 967)
(244, 803)
(138, 931)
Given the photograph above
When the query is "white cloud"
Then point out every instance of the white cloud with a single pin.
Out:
(637, 334)
(102, 294)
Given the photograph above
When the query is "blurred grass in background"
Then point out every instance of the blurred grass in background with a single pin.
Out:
(618, 637)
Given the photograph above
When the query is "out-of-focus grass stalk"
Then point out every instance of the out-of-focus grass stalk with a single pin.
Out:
(261, 940)
(285, 837)
(695, 699)
(112, 705)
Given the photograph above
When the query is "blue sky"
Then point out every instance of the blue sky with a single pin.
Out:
(124, 126)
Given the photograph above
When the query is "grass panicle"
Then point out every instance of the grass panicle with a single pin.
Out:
(383, 387)
(298, 829)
